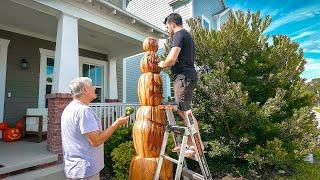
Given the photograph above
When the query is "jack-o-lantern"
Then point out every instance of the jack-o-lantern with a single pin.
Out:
(11, 134)
(150, 89)
(150, 44)
(149, 63)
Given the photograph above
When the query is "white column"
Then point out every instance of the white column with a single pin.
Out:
(218, 23)
(113, 89)
(124, 80)
(3, 71)
(66, 63)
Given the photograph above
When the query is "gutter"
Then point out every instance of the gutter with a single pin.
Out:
(135, 19)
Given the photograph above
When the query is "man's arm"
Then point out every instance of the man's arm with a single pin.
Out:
(96, 138)
(171, 58)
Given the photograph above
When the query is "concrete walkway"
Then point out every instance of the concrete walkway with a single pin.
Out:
(21, 154)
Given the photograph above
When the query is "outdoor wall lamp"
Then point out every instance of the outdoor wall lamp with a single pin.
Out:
(24, 64)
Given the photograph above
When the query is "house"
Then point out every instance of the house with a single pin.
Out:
(43, 46)
(213, 14)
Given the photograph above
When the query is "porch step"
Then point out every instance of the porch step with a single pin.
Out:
(50, 173)
(19, 156)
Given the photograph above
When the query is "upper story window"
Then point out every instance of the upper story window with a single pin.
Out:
(205, 22)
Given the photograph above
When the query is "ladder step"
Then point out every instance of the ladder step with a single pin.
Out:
(176, 129)
(191, 174)
(170, 159)
(168, 107)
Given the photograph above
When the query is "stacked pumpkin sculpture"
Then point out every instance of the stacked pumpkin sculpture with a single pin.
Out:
(149, 128)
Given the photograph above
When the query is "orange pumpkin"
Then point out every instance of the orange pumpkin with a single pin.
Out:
(20, 124)
(150, 44)
(4, 126)
(147, 138)
(150, 89)
(11, 134)
(144, 169)
(149, 63)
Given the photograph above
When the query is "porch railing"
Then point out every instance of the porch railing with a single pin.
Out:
(109, 112)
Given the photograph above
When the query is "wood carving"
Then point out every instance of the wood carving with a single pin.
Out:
(148, 128)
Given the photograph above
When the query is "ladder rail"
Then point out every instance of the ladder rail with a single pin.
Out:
(190, 131)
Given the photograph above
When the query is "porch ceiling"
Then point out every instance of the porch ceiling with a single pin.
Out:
(42, 23)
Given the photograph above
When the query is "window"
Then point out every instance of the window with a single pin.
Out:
(205, 22)
(49, 77)
(94, 72)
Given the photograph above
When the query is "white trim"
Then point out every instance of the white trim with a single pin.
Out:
(218, 17)
(113, 86)
(44, 54)
(4, 43)
(124, 80)
(203, 17)
(192, 8)
(105, 69)
(47, 38)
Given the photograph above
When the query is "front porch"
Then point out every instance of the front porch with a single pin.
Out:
(17, 157)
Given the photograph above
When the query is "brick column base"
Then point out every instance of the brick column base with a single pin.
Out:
(56, 104)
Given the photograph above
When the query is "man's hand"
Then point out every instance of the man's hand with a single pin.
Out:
(161, 64)
(122, 121)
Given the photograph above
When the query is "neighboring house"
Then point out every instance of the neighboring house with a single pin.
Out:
(44, 44)
(213, 14)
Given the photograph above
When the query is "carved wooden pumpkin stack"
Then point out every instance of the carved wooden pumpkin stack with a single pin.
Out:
(148, 129)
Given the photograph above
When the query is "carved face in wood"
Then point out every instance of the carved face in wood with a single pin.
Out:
(149, 63)
(150, 44)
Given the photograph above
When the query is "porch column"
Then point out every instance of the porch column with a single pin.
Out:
(3, 70)
(113, 89)
(66, 68)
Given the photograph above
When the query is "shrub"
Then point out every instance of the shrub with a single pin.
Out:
(121, 157)
(121, 135)
(255, 108)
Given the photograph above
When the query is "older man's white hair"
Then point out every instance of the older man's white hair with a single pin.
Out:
(78, 86)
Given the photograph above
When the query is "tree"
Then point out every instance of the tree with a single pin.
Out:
(254, 108)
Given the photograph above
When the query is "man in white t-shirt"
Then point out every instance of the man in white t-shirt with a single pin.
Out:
(82, 134)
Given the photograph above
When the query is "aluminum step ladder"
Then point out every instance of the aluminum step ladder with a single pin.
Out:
(185, 132)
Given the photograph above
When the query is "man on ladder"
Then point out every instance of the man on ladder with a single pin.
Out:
(181, 60)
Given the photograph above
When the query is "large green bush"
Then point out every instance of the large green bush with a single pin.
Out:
(254, 107)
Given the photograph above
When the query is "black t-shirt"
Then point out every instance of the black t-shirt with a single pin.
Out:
(185, 62)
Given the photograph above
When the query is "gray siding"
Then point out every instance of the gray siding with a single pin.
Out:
(24, 84)
(185, 11)
(132, 76)
(120, 78)
(152, 11)
(208, 8)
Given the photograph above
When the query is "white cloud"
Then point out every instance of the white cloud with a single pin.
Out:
(312, 64)
(303, 34)
(295, 16)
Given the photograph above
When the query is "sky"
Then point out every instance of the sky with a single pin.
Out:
(298, 19)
